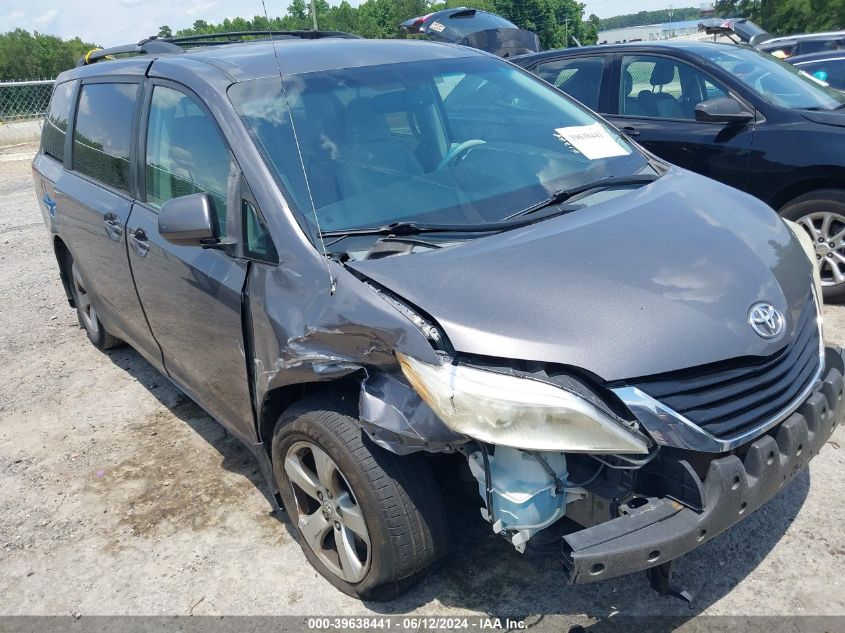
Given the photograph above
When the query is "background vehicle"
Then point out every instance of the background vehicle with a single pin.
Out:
(828, 67)
(352, 268)
(743, 28)
(784, 47)
(728, 112)
(473, 27)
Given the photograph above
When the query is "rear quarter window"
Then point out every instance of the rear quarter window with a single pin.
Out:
(103, 131)
(55, 126)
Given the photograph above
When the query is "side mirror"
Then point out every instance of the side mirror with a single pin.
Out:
(187, 221)
(723, 110)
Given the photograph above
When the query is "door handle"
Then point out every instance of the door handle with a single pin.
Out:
(631, 131)
(114, 228)
(138, 241)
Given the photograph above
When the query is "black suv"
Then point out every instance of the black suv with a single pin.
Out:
(728, 112)
(368, 258)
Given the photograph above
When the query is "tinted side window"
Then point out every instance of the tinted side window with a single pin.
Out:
(578, 77)
(103, 131)
(185, 153)
(55, 126)
(663, 88)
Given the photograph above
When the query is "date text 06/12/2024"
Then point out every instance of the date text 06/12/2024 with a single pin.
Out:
(416, 623)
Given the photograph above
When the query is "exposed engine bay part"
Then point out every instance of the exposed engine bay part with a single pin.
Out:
(523, 492)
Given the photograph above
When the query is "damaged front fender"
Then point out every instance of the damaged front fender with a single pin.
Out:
(303, 333)
(397, 419)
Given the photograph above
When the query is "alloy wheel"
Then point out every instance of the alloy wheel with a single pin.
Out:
(828, 233)
(83, 302)
(329, 517)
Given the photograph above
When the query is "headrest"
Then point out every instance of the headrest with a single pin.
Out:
(402, 100)
(363, 123)
(663, 73)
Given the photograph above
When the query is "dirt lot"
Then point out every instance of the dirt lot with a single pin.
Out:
(118, 495)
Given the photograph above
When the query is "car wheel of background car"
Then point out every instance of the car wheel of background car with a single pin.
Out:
(368, 520)
(85, 311)
(822, 214)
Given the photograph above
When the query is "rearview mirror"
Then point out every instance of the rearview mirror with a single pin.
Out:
(723, 110)
(187, 221)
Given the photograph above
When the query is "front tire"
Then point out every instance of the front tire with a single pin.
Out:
(368, 520)
(85, 312)
(822, 214)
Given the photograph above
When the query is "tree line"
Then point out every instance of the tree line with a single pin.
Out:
(558, 23)
(786, 17)
(25, 55)
(642, 18)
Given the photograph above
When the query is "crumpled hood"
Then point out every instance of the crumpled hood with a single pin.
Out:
(657, 279)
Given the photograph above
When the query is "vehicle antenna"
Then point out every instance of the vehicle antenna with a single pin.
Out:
(332, 281)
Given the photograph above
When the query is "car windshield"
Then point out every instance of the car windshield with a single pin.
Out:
(456, 141)
(775, 81)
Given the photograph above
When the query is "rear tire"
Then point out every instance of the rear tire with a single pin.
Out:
(391, 509)
(822, 214)
(85, 312)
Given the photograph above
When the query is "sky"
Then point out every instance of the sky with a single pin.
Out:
(111, 22)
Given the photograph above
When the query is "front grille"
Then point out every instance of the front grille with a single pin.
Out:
(728, 399)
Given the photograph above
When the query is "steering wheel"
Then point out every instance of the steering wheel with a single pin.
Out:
(457, 150)
(759, 81)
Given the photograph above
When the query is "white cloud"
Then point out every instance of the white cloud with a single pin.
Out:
(47, 17)
(14, 16)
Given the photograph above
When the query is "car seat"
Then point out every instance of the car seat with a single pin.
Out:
(370, 157)
(664, 105)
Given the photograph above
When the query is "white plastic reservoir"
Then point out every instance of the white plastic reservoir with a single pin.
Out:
(524, 496)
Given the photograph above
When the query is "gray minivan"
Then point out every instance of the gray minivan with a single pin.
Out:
(371, 260)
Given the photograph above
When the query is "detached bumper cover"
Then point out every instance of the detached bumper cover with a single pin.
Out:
(733, 488)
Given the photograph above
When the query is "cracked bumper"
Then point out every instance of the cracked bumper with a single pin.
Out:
(733, 488)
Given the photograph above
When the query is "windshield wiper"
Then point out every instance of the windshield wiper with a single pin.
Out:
(400, 229)
(565, 194)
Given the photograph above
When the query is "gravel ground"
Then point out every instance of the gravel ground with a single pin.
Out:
(118, 495)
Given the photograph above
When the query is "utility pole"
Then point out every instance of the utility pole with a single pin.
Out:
(566, 23)
(314, 14)
(671, 10)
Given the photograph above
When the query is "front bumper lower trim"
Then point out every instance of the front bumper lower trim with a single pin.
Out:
(733, 488)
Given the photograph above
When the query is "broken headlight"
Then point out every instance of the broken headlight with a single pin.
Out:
(517, 412)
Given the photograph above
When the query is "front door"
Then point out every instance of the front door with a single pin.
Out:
(657, 96)
(192, 295)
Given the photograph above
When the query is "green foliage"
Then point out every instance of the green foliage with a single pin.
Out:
(37, 56)
(557, 22)
(785, 17)
(648, 17)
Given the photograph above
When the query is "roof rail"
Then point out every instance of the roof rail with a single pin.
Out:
(210, 39)
(157, 45)
(148, 46)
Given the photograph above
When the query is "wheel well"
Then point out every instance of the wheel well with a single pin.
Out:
(276, 401)
(788, 194)
(61, 250)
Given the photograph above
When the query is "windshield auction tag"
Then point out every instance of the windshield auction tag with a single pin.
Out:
(592, 141)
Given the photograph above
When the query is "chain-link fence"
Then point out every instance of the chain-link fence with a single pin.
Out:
(23, 105)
